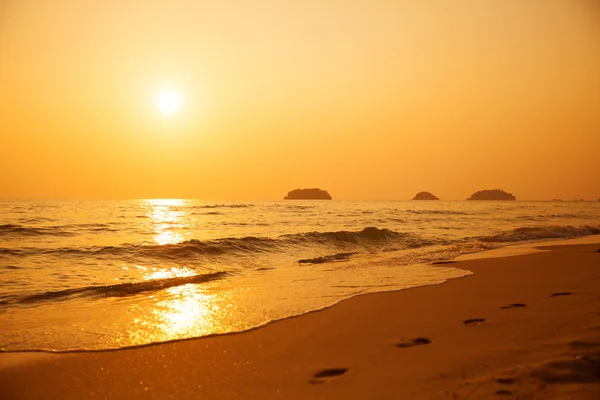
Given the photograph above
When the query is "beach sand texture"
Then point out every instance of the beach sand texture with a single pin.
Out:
(523, 327)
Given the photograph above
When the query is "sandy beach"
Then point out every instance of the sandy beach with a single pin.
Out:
(522, 327)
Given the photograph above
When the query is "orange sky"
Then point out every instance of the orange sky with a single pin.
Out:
(370, 99)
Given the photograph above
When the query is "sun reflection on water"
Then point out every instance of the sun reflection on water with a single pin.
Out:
(181, 311)
(185, 313)
(188, 310)
(174, 272)
(166, 220)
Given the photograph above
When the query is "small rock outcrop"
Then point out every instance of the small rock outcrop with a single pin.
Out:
(495, 194)
(425, 196)
(308, 194)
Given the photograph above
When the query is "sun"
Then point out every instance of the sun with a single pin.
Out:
(168, 102)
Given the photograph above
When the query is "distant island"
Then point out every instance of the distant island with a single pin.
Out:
(425, 196)
(308, 194)
(495, 194)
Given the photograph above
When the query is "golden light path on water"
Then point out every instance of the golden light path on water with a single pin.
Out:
(236, 303)
(187, 310)
(182, 311)
(165, 215)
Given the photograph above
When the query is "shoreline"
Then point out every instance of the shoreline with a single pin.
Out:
(521, 249)
(534, 346)
(506, 251)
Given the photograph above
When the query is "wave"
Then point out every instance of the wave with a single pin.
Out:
(544, 217)
(210, 206)
(36, 220)
(92, 227)
(119, 290)
(437, 212)
(525, 218)
(292, 206)
(60, 230)
(20, 230)
(397, 220)
(327, 259)
(370, 234)
(11, 252)
(541, 232)
(369, 239)
(245, 224)
(564, 215)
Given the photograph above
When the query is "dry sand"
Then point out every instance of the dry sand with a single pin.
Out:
(523, 327)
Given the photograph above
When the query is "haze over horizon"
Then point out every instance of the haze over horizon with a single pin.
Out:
(370, 100)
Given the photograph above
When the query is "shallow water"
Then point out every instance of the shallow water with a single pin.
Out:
(109, 274)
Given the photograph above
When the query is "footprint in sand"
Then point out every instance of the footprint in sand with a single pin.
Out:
(513, 305)
(505, 381)
(560, 294)
(414, 342)
(325, 374)
(473, 321)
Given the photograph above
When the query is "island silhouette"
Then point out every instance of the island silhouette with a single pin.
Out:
(494, 194)
(425, 196)
(308, 194)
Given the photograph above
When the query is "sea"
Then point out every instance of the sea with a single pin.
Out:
(95, 275)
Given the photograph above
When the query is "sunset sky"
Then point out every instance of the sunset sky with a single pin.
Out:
(369, 99)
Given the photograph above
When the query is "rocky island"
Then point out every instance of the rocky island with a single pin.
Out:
(495, 194)
(308, 194)
(425, 196)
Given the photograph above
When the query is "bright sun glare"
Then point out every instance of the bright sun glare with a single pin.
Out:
(168, 102)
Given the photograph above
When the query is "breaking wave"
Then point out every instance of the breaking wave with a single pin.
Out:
(327, 259)
(118, 290)
(369, 239)
(541, 232)
(370, 234)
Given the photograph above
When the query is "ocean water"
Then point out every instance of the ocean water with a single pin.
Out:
(91, 275)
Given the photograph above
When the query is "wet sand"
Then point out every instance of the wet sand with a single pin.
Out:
(522, 327)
